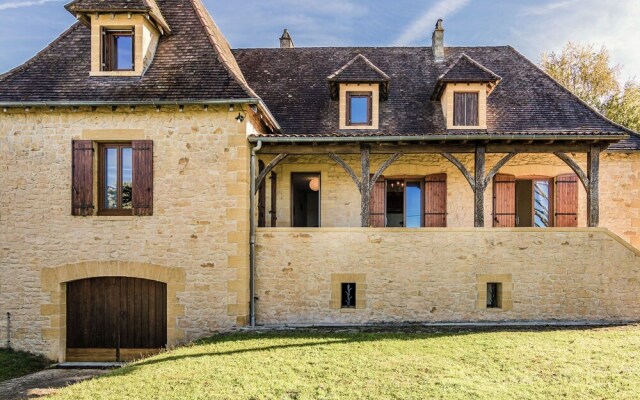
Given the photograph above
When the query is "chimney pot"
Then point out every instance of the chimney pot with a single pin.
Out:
(286, 42)
(437, 42)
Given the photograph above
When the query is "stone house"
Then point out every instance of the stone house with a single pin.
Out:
(158, 186)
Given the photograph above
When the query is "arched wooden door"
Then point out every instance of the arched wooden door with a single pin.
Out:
(115, 318)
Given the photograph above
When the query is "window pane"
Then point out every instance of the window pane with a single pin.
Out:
(541, 204)
(359, 109)
(123, 47)
(413, 207)
(111, 178)
(127, 177)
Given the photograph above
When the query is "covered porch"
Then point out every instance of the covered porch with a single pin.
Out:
(319, 182)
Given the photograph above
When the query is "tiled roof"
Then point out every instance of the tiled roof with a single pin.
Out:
(78, 7)
(194, 63)
(358, 69)
(466, 69)
(526, 102)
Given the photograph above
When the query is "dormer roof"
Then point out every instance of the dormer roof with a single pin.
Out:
(359, 70)
(464, 70)
(80, 9)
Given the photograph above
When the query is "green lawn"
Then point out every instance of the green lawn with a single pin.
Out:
(597, 363)
(18, 363)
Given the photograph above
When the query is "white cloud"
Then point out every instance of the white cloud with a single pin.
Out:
(547, 8)
(19, 4)
(612, 24)
(421, 26)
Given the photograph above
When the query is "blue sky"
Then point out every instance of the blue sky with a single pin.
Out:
(531, 26)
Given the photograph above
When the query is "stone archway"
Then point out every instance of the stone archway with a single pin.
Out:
(54, 282)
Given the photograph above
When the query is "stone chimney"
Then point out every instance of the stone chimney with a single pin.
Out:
(437, 42)
(285, 40)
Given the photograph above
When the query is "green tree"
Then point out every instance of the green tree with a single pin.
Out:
(588, 73)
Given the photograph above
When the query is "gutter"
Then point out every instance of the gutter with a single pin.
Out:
(126, 103)
(427, 138)
(252, 234)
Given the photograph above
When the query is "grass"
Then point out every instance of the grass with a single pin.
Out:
(17, 363)
(596, 363)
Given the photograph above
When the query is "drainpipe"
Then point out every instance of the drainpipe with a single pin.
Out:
(8, 330)
(252, 234)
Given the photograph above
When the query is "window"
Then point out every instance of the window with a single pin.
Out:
(348, 295)
(115, 179)
(125, 178)
(118, 50)
(493, 294)
(465, 109)
(305, 200)
(359, 108)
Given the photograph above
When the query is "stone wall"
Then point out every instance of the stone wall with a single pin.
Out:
(440, 274)
(199, 227)
(340, 199)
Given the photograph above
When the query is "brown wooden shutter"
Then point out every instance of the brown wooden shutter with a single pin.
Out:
(458, 109)
(142, 190)
(274, 198)
(377, 204)
(471, 109)
(504, 200)
(435, 200)
(82, 178)
(567, 200)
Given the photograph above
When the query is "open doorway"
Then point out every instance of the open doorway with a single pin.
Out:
(404, 203)
(305, 199)
(534, 203)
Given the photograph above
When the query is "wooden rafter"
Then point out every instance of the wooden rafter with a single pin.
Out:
(575, 167)
(497, 167)
(272, 164)
(465, 172)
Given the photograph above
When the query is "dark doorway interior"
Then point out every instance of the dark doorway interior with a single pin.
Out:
(534, 203)
(305, 188)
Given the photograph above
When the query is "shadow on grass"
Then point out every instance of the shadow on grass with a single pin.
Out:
(345, 335)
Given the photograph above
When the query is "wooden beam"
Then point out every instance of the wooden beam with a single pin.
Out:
(479, 178)
(365, 183)
(497, 167)
(575, 168)
(593, 196)
(268, 169)
(465, 172)
(346, 167)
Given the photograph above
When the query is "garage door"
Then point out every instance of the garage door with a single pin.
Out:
(115, 318)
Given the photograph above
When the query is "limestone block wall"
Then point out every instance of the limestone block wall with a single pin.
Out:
(199, 227)
(340, 200)
(440, 274)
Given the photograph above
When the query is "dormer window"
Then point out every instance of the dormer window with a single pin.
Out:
(359, 87)
(465, 109)
(359, 108)
(118, 49)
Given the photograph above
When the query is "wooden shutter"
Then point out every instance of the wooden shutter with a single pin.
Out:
(465, 109)
(567, 200)
(262, 198)
(274, 198)
(82, 178)
(142, 190)
(504, 200)
(471, 109)
(435, 200)
(377, 204)
(458, 109)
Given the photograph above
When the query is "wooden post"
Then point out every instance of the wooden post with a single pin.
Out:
(593, 194)
(480, 186)
(365, 186)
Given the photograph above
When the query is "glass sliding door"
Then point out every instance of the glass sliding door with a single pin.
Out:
(541, 204)
(413, 205)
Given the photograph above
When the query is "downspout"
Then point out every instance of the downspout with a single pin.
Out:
(252, 234)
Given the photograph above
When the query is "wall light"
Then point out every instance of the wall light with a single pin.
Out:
(239, 118)
(314, 184)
